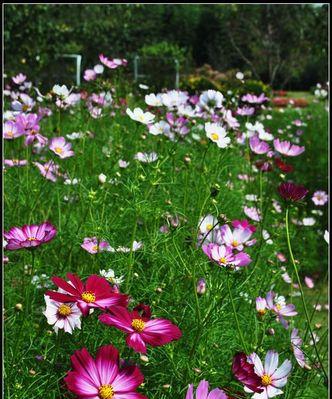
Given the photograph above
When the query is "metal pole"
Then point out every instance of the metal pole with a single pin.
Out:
(136, 67)
(177, 74)
(78, 70)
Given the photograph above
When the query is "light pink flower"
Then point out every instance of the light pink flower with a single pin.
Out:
(279, 307)
(93, 246)
(296, 343)
(309, 282)
(15, 162)
(10, 130)
(19, 79)
(237, 238)
(252, 213)
(49, 170)
(320, 198)
(89, 74)
(61, 148)
(257, 146)
(287, 149)
(272, 376)
(224, 255)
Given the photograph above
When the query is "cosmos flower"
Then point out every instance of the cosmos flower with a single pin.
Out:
(202, 392)
(245, 111)
(146, 157)
(24, 103)
(292, 192)
(15, 162)
(49, 170)
(29, 236)
(235, 239)
(244, 372)
(272, 377)
(154, 100)
(102, 377)
(201, 286)
(279, 307)
(160, 127)
(89, 74)
(140, 116)
(62, 316)
(284, 167)
(224, 256)
(253, 213)
(211, 99)
(257, 146)
(123, 164)
(217, 134)
(140, 328)
(93, 246)
(174, 98)
(253, 99)
(320, 198)
(110, 276)
(112, 63)
(19, 79)
(287, 149)
(95, 293)
(11, 131)
(296, 343)
(309, 282)
(61, 148)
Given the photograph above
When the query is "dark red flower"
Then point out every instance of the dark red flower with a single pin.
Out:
(244, 372)
(292, 192)
(284, 167)
(264, 166)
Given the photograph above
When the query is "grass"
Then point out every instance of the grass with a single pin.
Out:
(165, 271)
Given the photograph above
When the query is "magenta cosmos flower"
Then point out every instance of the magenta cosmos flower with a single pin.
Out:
(257, 146)
(96, 293)
(202, 392)
(320, 198)
(271, 376)
(244, 372)
(102, 377)
(141, 329)
(61, 148)
(29, 236)
(287, 149)
(292, 192)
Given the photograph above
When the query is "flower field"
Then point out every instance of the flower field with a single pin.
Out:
(163, 245)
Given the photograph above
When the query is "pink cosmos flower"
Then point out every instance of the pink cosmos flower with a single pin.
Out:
(29, 236)
(245, 111)
(244, 372)
(49, 170)
(140, 328)
(61, 148)
(102, 377)
(287, 149)
(272, 377)
(96, 293)
(309, 282)
(244, 224)
(252, 212)
(202, 392)
(19, 79)
(25, 104)
(93, 246)
(261, 305)
(112, 63)
(257, 146)
(10, 130)
(296, 343)
(15, 162)
(320, 198)
(281, 257)
(89, 74)
(280, 308)
(292, 192)
(62, 316)
(253, 99)
(28, 124)
(224, 255)
(235, 239)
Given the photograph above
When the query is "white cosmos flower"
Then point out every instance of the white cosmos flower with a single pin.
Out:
(154, 100)
(207, 223)
(66, 316)
(217, 134)
(123, 164)
(211, 99)
(110, 276)
(308, 221)
(161, 127)
(174, 98)
(61, 91)
(146, 157)
(140, 116)
(98, 68)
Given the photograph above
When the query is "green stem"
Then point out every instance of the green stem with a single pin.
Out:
(235, 315)
(301, 289)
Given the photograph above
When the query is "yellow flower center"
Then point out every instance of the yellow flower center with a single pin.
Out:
(266, 380)
(25, 107)
(209, 226)
(58, 150)
(64, 310)
(278, 306)
(95, 248)
(223, 260)
(215, 136)
(10, 134)
(106, 392)
(88, 296)
(262, 311)
(235, 243)
(32, 238)
(138, 325)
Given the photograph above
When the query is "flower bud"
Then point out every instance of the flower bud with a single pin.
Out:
(201, 286)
